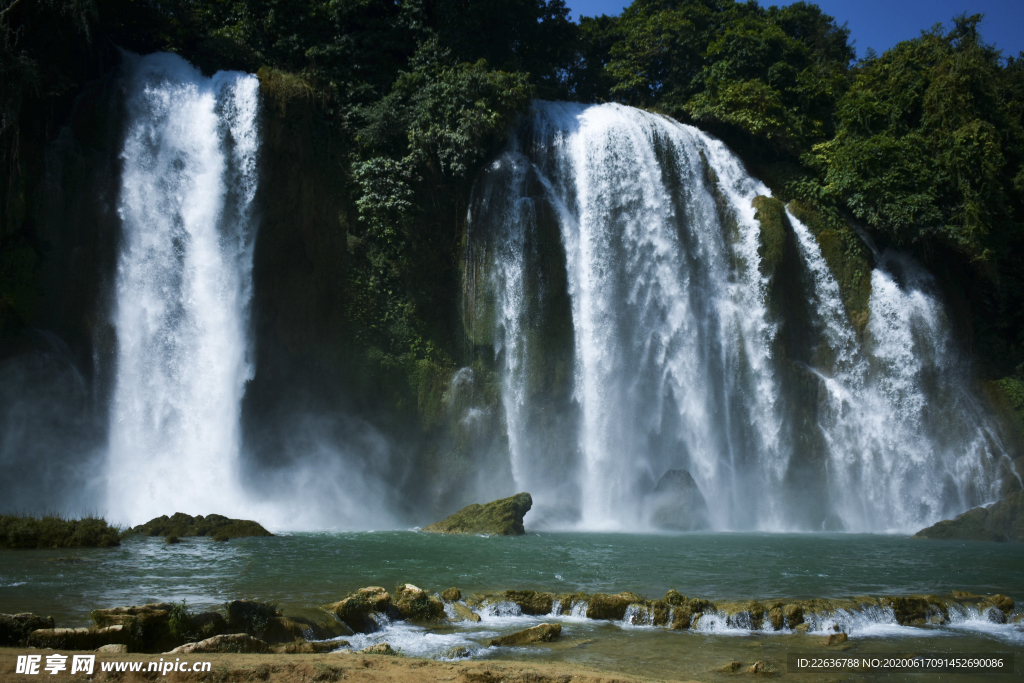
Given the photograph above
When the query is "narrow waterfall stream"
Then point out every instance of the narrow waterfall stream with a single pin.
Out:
(183, 289)
(675, 357)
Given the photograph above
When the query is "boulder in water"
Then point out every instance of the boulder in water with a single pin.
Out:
(610, 607)
(543, 633)
(180, 525)
(499, 518)
(531, 602)
(678, 504)
(356, 609)
(417, 605)
(452, 594)
(1002, 521)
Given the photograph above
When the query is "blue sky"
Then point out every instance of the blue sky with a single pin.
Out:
(880, 24)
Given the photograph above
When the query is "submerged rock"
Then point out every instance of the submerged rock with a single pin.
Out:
(836, 639)
(498, 518)
(179, 525)
(1002, 521)
(228, 642)
(678, 504)
(542, 633)
(455, 652)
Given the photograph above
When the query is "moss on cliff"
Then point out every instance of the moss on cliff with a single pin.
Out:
(845, 255)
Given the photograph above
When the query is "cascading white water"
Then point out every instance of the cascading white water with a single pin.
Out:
(183, 290)
(908, 444)
(675, 351)
(667, 306)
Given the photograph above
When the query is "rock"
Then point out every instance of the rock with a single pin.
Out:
(456, 652)
(677, 503)
(794, 615)
(611, 607)
(227, 642)
(147, 626)
(451, 595)
(836, 639)
(77, 638)
(27, 532)
(113, 649)
(499, 518)
(802, 628)
(317, 647)
(682, 617)
(1003, 602)
(180, 525)
(542, 633)
(777, 618)
(379, 649)
(171, 540)
(1002, 521)
(255, 618)
(995, 615)
(465, 612)
(673, 598)
(531, 602)
(731, 667)
(209, 624)
(761, 668)
(415, 604)
(16, 628)
(356, 609)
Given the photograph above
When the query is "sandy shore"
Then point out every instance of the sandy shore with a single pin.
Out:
(323, 668)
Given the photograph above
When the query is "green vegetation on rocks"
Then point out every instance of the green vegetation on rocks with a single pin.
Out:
(180, 525)
(499, 518)
(22, 532)
(415, 604)
(1001, 521)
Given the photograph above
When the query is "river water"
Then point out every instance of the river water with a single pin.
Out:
(301, 571)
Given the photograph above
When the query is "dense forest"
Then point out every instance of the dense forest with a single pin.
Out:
(921, 147)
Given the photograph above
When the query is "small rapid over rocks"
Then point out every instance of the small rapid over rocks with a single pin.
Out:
(658, 321)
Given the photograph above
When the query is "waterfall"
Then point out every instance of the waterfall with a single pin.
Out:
(907, 442)
(648, 226)
(183, 289)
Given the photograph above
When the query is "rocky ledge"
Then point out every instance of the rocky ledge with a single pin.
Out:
(499, 518)
(1002, 521)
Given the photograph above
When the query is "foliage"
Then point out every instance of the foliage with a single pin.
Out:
(929, 141)
(56, 532)
(251, 616)
(773, 74)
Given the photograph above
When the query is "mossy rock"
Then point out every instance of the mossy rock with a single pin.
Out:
(355, 609)
(1002, 521)
(415, 604)
(499, 518)
(610, 607)
(452, 594)
(531, 602)
(27, 533)
(845, 255)
(542, 633)
(180, 525)
(771, 214)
